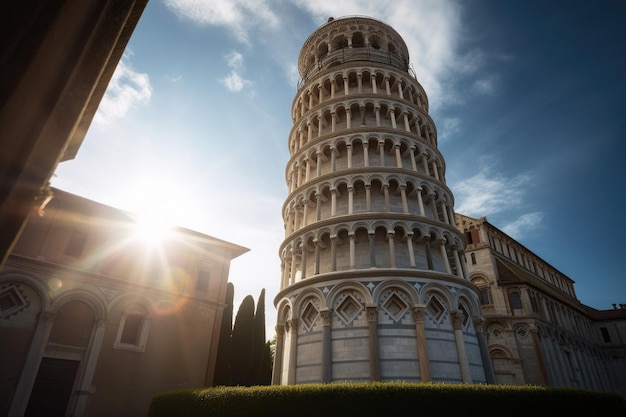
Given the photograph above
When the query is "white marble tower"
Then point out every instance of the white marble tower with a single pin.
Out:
(374, 285)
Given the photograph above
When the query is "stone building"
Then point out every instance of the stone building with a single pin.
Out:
(374, 284)
(537, 331)
(96, 320)
(381, 280)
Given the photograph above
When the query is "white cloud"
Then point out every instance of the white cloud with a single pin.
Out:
(488, 193)
(431, 29)
(292, 74)
(526, 222)
(448, 127)
(471, 62)
(234, 81)
(240, 16)
(485, 86)
(126, 89)
(234, 60)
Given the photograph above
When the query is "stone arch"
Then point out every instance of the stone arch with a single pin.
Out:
(469, 297)
(439, 306)
(495, 329)
(452, 239)
(399, 226)
(333, 294)
(403, 286)
(298, 303)
(435, 288)
(497, 351)
(89, 296)
(136, 298)
(340, 41)
(284, 309)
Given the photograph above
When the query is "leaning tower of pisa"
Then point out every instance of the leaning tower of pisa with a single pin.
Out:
(374, 285)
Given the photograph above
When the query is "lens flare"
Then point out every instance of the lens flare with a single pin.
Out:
(54, 286)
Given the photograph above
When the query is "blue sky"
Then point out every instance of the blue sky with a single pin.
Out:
(528, 98)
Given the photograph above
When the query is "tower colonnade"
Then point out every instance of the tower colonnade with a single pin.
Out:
(361, 112)
(383, 151)
(359, 80)
(356, 193)
(373, 281)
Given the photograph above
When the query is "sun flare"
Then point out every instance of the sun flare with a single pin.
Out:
(155, 203)
(151, 230)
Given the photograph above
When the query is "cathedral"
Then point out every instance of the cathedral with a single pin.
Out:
(381, 279)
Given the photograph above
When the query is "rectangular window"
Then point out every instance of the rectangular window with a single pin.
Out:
(132, 333)
(516, 300)
(475, 236)
(605, 335)
(484, 297)
(202, 283)
(132, 330)
(76, 244)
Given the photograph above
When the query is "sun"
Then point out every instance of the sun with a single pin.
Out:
(151, 230)
(159, 203)
(154, 202)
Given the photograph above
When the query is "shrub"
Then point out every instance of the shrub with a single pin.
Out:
(384, 399)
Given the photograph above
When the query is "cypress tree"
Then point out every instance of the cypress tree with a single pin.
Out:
(262, 362)
(222, 365)
(242, 358)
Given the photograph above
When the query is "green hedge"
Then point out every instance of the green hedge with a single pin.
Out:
(385, 399)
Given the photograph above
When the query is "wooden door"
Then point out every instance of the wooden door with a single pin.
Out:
(53, 388)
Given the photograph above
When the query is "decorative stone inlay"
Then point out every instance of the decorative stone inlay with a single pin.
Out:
(395, 306)
(11, 301)
(521, 333)
(309, 315)
(349, 309)
(435, 309)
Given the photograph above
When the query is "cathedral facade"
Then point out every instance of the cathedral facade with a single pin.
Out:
(537, 330)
